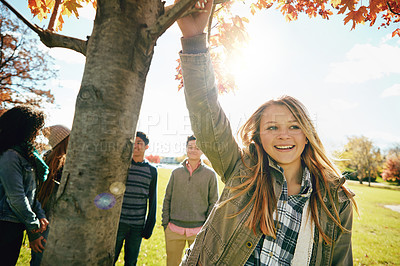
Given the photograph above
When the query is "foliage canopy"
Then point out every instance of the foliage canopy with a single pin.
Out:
(24, 68)
(229, 31)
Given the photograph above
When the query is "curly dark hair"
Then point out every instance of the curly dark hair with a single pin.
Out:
(19, 125)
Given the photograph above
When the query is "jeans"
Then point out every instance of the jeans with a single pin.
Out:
(133, 239)
(36, 258)
(11, 235)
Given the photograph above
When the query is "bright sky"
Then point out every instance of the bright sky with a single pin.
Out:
(348, 80)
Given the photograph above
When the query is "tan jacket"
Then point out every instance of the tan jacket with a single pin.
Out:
(225, 240)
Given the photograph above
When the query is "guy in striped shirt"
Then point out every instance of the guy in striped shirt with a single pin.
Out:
(141, 188)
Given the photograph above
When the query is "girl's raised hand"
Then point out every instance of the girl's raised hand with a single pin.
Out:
(195, 23)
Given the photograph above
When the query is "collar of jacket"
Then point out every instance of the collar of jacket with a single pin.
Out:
(334, 182)
(278, 175)
(184, 164)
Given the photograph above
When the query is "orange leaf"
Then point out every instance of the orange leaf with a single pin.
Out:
(375, 6)
(72, 6)
(396, 32)
(356, 16)
(335, 3)
(347, 4)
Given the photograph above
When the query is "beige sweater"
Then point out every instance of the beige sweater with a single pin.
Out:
(189, 199)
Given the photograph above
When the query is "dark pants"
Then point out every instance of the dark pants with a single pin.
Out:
(133, 238)
(11, 235)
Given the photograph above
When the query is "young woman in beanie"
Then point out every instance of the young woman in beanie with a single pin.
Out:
(58, 136)
(284, 202)
(20, 168)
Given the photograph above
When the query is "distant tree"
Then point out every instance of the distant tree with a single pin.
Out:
(360, 156)
(153, 158)
(391, 170)
(395, 150)
(24, 67)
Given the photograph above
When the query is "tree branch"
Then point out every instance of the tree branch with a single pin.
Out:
(169, 17)
(391, 10)
(49, 38)
(54, 15)
(35, 28)
(172, 13)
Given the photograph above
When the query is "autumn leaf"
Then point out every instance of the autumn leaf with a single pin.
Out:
(40, 8)
(253, 9)
(396, 32)
(347, 4)
(289, 11)
(335, 3)
(73, 6)
(60, 23)
(376, 6)
(356, 16)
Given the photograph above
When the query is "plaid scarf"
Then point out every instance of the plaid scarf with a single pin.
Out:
(280, 251)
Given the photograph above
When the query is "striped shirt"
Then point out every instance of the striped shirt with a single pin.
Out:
(280, 251)
(140, 187)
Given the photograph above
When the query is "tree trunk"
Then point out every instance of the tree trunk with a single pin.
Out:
(84, 225)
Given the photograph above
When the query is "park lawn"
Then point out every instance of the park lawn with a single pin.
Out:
(376, 233)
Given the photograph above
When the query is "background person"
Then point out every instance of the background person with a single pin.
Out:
(191, 193)
(141, 188)
(58, 136)
(20, 168)
(284, 202)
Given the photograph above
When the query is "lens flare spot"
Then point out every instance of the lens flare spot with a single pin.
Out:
(104, 201)
(117, 188)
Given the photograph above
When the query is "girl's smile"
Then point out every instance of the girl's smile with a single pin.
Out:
(281, 136)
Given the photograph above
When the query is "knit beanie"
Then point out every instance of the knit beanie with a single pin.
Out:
(56, 134)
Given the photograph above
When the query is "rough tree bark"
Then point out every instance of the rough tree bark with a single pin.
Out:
(83, 228)
(118, 56)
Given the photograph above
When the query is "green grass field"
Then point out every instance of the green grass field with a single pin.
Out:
(376, 233)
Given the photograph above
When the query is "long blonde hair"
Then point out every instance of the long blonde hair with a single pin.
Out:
(314, 156)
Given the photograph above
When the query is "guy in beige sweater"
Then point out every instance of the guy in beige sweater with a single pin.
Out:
(190, 195)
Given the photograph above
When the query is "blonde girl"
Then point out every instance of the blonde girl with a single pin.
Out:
(284, 202)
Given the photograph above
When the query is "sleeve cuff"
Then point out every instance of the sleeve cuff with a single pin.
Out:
(33, 236)
(194, 45)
